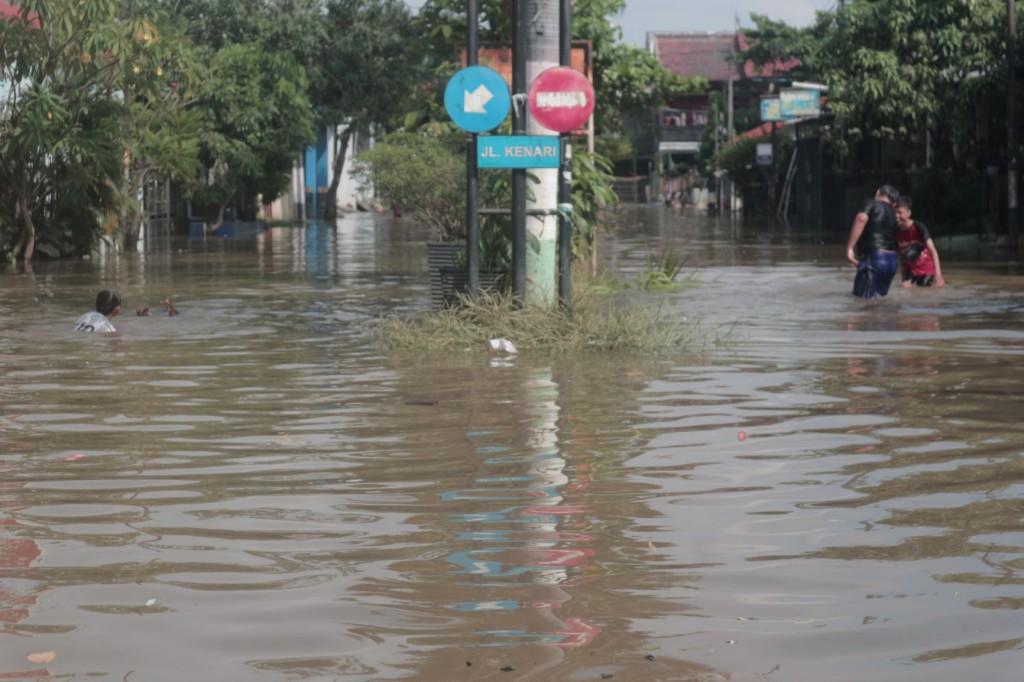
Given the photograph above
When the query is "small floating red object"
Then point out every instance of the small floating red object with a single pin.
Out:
(73, 457)
(742, 435)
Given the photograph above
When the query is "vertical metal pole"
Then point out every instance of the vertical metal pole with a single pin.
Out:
(729, 122)
(1011, 127)
(774, 183)
(472, 173)
(520, 19)
(565, 176)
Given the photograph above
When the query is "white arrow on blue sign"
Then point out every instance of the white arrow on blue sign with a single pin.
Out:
(477, 99)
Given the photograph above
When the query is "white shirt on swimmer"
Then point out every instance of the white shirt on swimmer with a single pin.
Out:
(94, 322)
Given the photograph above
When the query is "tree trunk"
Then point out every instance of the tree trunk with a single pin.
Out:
(331, 209)
(212, 227)
(27, 242)
(133, 219)
(132, 230)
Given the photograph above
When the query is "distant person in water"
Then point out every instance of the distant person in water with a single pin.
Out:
(919, 259)
(871, 247)
(108, 305)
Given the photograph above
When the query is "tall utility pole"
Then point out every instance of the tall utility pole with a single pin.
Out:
(542, 53)
(1011, 126)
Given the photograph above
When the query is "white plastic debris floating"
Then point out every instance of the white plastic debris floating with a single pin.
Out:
(503, 346)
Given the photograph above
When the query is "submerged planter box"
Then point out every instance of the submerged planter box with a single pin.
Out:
(455, 281)
(443, 255)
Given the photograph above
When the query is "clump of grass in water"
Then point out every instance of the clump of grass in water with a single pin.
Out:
(662, 273)
(597, 323)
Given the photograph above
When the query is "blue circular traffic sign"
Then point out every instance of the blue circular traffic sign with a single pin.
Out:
(477, 99)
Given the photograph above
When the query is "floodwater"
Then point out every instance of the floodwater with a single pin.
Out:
(254, 490)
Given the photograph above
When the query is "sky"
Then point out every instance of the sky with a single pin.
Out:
(642, 16)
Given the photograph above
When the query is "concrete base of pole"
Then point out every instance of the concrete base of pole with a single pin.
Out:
(540, 267)
(541, 270)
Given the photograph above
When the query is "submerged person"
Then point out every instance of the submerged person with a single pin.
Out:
(871, 247)
(108, 305)
(919, 259)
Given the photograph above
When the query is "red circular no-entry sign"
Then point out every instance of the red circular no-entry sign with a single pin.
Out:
(561, 99)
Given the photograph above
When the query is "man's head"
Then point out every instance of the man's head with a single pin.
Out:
(108, 302)
(902, 211)
(888, 194)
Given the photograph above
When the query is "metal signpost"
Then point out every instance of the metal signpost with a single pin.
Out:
(478, 100)
(561, 99)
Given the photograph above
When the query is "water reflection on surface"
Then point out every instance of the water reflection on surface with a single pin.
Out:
(254, 489)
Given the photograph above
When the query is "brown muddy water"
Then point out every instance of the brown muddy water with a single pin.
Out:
(254, 490)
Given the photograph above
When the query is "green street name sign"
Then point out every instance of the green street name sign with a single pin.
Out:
(518, 151)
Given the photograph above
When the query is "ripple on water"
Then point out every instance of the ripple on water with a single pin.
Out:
(255, 489)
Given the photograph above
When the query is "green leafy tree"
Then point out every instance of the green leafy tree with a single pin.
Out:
(443, 26)
(161, 131)
(253, 94)
(76, 72)
(423, 173)
(258, 118)
(355, 54)
(365, 75)
(893, 68)
(295, 27)
(592, 193)
(216, 24)
(772, 42)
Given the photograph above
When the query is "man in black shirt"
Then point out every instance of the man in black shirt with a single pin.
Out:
(871, 247)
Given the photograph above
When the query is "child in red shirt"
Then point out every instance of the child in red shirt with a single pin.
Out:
(919, 259)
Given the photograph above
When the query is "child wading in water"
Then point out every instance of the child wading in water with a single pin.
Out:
(919, 259)
(108, 305)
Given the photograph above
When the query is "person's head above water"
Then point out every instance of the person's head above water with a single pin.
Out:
(108, 302)
(902, 210)
(888, 193)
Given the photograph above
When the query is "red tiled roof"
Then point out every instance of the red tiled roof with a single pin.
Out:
(696, 54)
(9, 11)
(710, 55)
